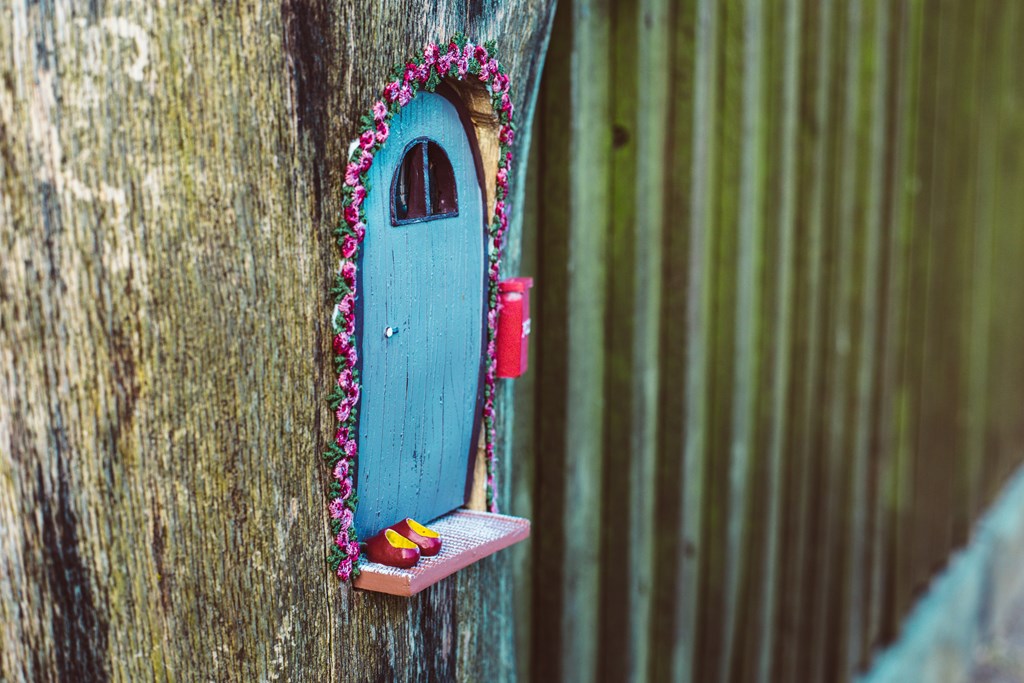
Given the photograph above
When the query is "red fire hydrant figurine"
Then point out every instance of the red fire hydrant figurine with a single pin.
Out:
(514, 326)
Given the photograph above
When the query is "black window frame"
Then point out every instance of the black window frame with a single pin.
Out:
(424, 143)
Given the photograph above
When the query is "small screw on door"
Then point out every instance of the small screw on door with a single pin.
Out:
(390, 332)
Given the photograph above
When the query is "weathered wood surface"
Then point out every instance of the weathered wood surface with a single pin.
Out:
(834, 245)
(170, 178)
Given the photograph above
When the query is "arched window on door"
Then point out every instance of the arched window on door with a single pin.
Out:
(423, 186)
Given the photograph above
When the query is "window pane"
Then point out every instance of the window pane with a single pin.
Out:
(443, 197)
(408, 196)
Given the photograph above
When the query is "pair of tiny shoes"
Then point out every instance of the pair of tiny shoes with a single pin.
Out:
(401, 545)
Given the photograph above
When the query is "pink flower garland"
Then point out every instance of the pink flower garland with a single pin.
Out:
(459, 59)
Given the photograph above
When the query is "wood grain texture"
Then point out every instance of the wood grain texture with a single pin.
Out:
(170, 181)
(836, 394)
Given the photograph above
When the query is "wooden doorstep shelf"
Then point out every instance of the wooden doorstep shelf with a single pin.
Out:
(466, 537)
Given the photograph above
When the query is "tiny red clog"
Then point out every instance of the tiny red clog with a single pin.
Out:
(428, 540)
(391, 548)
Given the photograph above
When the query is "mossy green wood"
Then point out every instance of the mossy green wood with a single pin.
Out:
(171, 179)
(811, 473)
(420, 323)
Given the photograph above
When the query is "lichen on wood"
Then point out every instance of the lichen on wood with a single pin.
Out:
(168, 190)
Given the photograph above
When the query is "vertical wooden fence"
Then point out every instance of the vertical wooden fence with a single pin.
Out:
(779, 341)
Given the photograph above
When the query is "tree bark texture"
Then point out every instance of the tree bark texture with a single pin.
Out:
(170, 179)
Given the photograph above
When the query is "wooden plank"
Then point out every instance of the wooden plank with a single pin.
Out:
(572, 264)
(587, 258)
(550, 317)
(806, 264)
(639, 72)
(814, 176)
(747, 325)
(982, 300)
(876, 42)
(618, 620)
(712, 633)
(923, 532)
(788, 30)
(699, 135)
(891, 496)
(670, 484)
(829, 617)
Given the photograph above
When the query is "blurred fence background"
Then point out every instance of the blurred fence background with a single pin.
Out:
(779, 337)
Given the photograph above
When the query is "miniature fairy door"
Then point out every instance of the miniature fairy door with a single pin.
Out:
(423, 319)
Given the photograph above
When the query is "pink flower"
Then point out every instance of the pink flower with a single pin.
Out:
(346, 518)
(353, 549)
(491, 351)
(500, 83)
(366, 139)
(382, 131)
(365, 161)
(410, 72)
(488, 70)
(431, 53)
(341, 344)
(342, 538)
(348, 246)
(360, 230)
(346, 488)
(404, 95)
(506, 135)
(499, 208)
(380, 111)
(481, 54)
(391, 91)
(347, 305)
(343, 411)
(506, 104)
(350, 448)
(345, 570)
(353, 393)
(350, 325)
(340, 437)
(508, 159)
(348, 273)
(337, 508)
(358, 195)
(345, 376)
(341, 469)
(503, 178)
(353, 357)
(351, 214)
(488, 411)
(352, 174)
(444, 64)
(463, 65)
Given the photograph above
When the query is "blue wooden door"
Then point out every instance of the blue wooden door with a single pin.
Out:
(422, 298)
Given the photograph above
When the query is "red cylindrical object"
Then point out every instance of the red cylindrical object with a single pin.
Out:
(513, 345)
